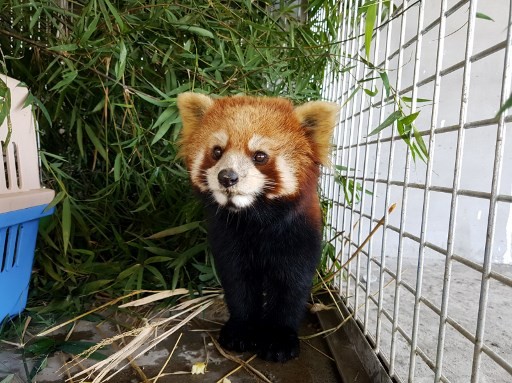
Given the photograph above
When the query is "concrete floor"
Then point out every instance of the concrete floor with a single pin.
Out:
(195, 345)
(463, 308)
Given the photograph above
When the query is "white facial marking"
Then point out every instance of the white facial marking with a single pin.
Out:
(261, 143)
(287, 176)
(242, 201)
(220, 197)
(220, 138)
(250, 180)
(254, 142)
(195, 171)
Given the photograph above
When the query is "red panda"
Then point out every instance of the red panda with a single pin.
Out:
(255, 164)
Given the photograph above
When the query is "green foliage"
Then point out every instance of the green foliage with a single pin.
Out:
(104, 76)
(506, 105)
(5, 107)
(372, 15)
(483, 16)
(352, 189)
(45, 346)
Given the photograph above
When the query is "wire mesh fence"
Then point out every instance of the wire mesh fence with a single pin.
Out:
(431, 291)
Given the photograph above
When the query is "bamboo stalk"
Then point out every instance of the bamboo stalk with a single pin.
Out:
(362, 245)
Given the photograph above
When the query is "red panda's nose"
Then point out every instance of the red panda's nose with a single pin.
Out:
(227, 177)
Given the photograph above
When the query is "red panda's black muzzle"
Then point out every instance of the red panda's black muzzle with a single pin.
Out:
(227, 177)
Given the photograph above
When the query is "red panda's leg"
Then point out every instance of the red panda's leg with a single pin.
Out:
(287, 286)
(243, 296)
(284, 308)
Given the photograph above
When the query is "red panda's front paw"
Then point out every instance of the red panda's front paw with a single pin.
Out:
(280, 346)
(238, 336)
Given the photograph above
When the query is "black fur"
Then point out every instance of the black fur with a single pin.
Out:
(265, 256)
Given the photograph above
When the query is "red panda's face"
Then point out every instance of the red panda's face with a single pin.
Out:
(239, 171)
(240, 148)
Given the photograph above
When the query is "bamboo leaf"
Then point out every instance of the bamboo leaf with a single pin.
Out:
(95, 286)
(421, 143)
(367, 62)
(348, 68)
(342, 168)
(407, 120)
(64, 48)
(506, 105)
(162, 254)
(142, 207)
(175, 277)
(91, 28)
(128, 272)
(41, 346)
(176, 230)
(121, 63)
(409, 99)
(400, 128)
(116, 15)
(155, 297)
(371, 15)
(196, 30)
(354, 92)
(78, 347)
(67, 78)
(96, 142)
(387, 122)
(80, 137)
(168, 113)
(5, 103)
(34, 101)
(117, 167)
(59, 197)
(367, 79)
(186, 255)
(150, 99)
(385, 82)
(370, 92)
(35, 18)
(158, 275)
(238, 50)
(165, 121)
(480, 15)
(66, 223)
(48, 269)
(159, 259)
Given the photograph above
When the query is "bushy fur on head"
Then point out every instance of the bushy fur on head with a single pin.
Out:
(295, 140)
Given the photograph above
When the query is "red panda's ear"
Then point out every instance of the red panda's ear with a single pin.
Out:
(192, 107)
(319, 118)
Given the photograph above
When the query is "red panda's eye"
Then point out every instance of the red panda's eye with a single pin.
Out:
(260, 158)
(217, 152)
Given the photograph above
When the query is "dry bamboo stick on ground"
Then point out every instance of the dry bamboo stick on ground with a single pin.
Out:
(168, 359)
(235, 359)
(236, 369)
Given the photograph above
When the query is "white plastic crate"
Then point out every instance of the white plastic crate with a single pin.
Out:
(22, 201)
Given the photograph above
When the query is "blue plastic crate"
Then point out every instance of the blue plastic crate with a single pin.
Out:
(18, 234)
